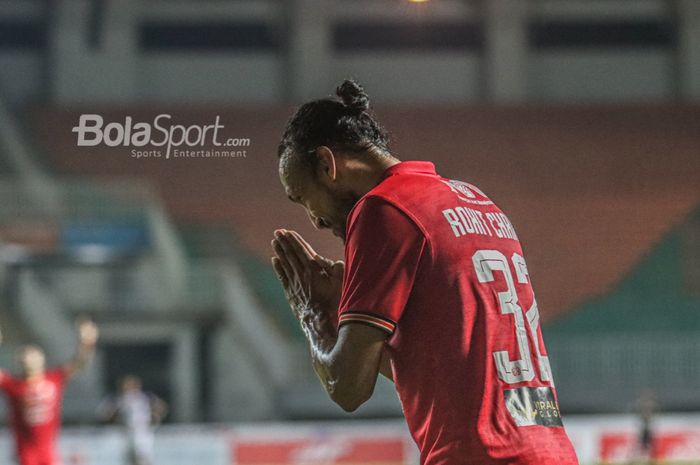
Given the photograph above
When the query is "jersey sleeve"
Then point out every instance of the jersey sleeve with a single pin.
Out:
(383, 251)
(58, 376)
(6, 381)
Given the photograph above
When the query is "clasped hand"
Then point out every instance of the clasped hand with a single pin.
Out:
(312, 284)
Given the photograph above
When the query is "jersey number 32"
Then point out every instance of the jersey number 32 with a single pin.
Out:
(486, 263)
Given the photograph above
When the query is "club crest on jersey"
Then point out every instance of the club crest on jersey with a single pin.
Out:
(466, 192)
(459, 187)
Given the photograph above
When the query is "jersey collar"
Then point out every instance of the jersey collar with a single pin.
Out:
(410, 167)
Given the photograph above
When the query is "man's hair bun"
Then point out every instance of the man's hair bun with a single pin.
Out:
(342, 122)
(353, 96)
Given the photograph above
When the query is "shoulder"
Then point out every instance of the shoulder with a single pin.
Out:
(414, 195)
(377, 225)
(6, 380)
(57, 375)
(378, 212)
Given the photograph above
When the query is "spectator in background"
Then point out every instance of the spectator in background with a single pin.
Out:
(139, 412)
(35, 397)
(647, 408)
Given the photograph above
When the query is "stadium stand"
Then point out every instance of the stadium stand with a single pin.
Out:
(532, 101)
(587, 204)
(641, 336)
(590, 181)
(70, 248)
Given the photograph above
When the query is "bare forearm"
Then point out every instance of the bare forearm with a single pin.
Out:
(347, 362)
(322, 338)
(385, 366)
(83, 356)
(87, 340)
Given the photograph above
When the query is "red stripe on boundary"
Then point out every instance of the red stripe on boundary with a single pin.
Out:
(375, 321)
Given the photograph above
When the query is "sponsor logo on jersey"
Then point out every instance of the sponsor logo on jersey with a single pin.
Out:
(530, 406)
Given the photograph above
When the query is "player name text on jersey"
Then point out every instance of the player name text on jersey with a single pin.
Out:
(465, 220)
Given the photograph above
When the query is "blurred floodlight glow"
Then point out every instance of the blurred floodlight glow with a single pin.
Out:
(418, 1)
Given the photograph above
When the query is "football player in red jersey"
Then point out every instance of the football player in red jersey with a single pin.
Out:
(434, 293)
(35, 398)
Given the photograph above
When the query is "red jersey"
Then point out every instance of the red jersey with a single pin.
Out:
(434, 263)
(35, 408)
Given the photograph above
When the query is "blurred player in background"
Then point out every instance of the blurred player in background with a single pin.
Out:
(647, 409)
(138, 411)
(35, 397)
(435, 293)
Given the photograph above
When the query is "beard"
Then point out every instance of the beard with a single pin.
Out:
(343, 203)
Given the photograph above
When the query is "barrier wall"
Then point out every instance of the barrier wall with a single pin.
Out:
(610, 439)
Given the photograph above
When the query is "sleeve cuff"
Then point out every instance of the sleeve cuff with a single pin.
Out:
(368, 319)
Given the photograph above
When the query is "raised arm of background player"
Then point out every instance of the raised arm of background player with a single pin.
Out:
(346, 361)
(87, 340)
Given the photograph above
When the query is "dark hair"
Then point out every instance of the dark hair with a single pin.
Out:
(341, 123)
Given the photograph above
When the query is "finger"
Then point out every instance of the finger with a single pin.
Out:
(281, 274)
(300, 247)
(310, 250)
(277, 268)
(315, 256)
(283, 258)
(324, 263)
(309, 260)
(297, 261)
(338, 268)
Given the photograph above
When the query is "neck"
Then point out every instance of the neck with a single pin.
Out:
(369, 171)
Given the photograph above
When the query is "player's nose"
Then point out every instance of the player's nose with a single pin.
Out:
(318, 222)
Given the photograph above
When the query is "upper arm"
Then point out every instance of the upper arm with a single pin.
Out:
(5, 380)
(72, 367)
(383, 253)
(68, 370)
(356, 363)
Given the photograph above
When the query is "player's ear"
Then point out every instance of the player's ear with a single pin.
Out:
(326, 163)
